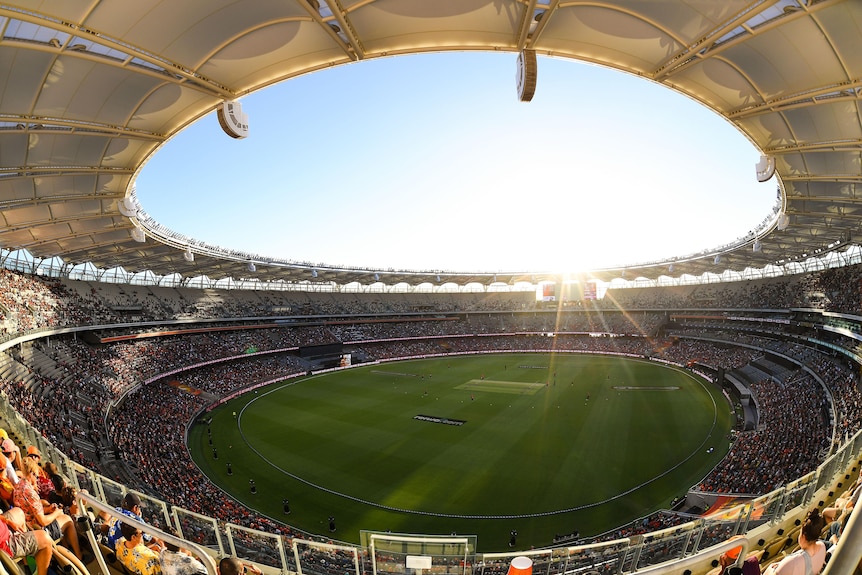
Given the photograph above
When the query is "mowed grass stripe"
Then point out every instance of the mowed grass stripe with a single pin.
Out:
(575, 442)
(498, 386)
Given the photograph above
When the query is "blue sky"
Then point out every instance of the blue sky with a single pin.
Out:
(431, 162)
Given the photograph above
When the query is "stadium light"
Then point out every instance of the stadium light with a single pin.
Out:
(757, 246)
(252, 267)
(188, 255)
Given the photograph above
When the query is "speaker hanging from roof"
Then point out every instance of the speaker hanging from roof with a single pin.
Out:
(527, 74)
(765, 168)
(233, 120)
(127, 207)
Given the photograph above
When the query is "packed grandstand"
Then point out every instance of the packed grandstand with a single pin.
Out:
(788, 343)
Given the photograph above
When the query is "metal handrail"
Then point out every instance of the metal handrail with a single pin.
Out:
(87, 500)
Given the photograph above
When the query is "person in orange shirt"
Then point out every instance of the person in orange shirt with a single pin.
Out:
(6, 486)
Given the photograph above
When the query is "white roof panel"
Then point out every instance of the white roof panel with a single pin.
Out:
(88, 91)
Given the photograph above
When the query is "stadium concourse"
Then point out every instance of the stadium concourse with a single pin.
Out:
(788, 340)
(90, 90)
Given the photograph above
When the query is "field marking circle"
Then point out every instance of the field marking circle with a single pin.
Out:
(275, 466)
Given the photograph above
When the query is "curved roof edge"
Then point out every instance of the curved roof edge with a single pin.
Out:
(92, 92)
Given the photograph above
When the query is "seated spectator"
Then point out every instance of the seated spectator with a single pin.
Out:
(134, 555)
(233, 566)
(63, 493)
(6, 486)
(750, 565)
(131, 508)
(13, 459)
(178, 561)
(44, 485)
(55, 522)
(18, 542)
(847, 500)
(837, 515)
(837, 528)
(811, 556)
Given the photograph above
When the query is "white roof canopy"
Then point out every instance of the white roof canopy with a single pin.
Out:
(90, 89)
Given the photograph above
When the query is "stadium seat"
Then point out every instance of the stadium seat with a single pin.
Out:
(772, 548)
(793, 534)
(10, 566)
(68, 561)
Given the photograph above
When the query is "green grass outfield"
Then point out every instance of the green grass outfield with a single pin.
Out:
(549, 444)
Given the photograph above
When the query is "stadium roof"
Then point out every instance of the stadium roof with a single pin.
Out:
(89, 89)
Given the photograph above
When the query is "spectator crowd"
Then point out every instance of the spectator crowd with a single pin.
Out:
(87, 398)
